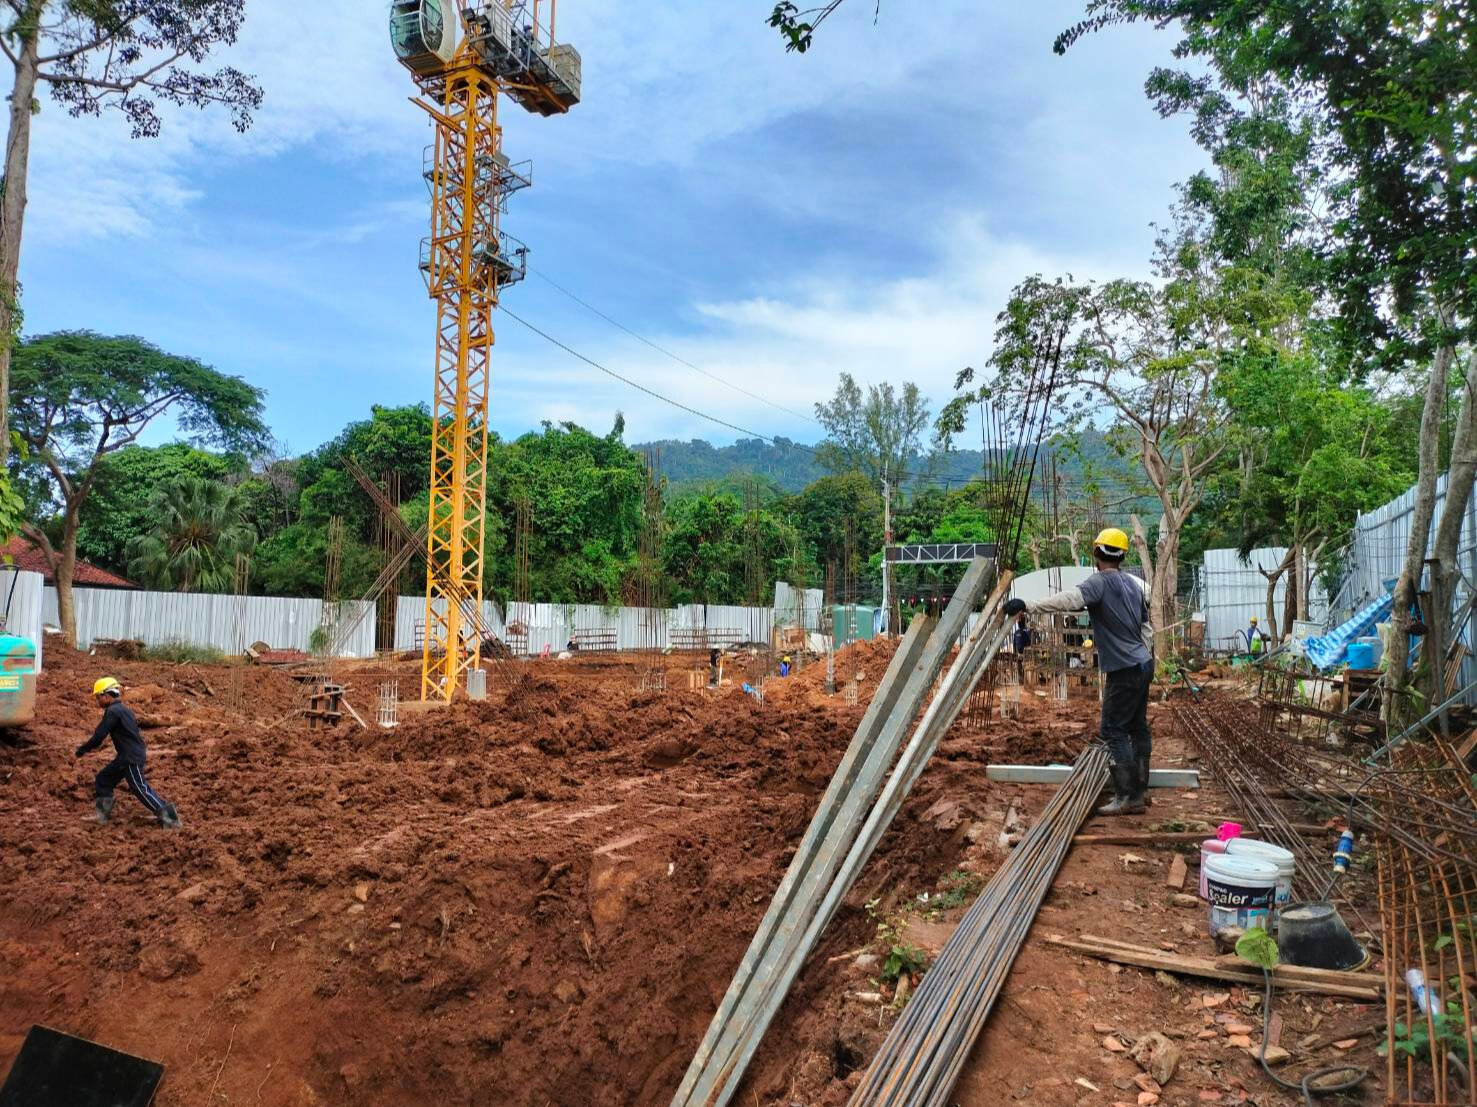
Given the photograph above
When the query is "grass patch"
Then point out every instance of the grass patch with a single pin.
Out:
(183, 653)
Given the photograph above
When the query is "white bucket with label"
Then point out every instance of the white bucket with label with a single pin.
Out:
(1241, 891)
(1266, 851)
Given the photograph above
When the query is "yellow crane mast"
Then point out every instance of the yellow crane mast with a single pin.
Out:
(462, 58)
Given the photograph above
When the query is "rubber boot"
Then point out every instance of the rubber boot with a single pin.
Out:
(169, 818)
(1125, 792)
(1143, 780)
(105, 808)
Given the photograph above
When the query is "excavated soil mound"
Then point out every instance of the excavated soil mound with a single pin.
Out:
(537, 899)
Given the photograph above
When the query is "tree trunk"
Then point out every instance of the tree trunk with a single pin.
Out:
(1294, 597)
(1304, 583)
(1420, 522)
(1141, 547)
(1460, 474)
(1162, 605)
(13, 203)
(65, 570)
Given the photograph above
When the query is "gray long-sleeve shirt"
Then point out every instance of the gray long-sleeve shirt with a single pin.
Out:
(1118, 605)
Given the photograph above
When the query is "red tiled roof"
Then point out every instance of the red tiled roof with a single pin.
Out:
(23, 554)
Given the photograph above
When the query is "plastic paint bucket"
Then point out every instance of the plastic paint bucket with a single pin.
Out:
(1211, 847)
(1240, 890)
(1266, 851)
(1361, 655)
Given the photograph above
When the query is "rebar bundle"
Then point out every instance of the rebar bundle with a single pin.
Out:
(919, 1063)
(858, 807)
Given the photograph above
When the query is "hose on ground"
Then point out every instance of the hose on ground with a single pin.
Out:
(1305, 1085)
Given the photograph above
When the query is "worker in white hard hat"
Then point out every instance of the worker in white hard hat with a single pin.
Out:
(120, 724)
(1123, 636)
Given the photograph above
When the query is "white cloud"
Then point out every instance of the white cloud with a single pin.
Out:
(789, 347)
(1062, 164)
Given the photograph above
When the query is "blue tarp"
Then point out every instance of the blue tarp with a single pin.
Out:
(1329, 649)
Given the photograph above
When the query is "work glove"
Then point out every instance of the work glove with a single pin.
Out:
(1014, 607)
(82, 750)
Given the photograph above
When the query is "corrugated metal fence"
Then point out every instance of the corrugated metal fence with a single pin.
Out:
(1232, 590)
(160, 618)
(552, 625)
(23, 595)
(1378, 553)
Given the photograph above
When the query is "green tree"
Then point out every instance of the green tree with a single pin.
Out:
(393, 442)
(197, 532)
(823, 512)
(78, 397)
(877, 434)
(1388, 85)
(93, 54)
(120, 507)
(290, 561)
(1146, 354)
(710, 539)
(586, 494)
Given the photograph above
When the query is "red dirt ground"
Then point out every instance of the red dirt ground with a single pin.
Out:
(540, 903)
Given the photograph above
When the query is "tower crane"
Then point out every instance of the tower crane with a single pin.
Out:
(463, 56)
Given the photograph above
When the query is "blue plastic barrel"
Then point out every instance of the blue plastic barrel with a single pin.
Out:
(1361, 655)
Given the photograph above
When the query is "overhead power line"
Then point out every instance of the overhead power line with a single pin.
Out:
(546, 336)
(906, 477)
(668, 353)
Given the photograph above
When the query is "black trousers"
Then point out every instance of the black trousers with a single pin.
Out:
(1125, 723)
(118, 771)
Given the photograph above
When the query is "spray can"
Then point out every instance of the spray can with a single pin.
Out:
(1343, 853)
(1421, 992)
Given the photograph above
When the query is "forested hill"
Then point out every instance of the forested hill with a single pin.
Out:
(789, 467)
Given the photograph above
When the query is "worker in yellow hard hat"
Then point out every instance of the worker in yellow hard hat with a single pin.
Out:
(1123, 635)
(1256, 637)
(120, 724)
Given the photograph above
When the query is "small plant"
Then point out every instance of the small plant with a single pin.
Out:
(1171, 670)
(183, 653)
(1415, 1040)
(958, 888)
(318, 641)
(903, 959)
(1258, 947)
(901, 956)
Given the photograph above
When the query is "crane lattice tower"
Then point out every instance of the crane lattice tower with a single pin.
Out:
(463, 59)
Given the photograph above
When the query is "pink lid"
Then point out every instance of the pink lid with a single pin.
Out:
(1226, 831)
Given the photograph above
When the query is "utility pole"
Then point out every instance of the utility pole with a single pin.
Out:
(886, 545)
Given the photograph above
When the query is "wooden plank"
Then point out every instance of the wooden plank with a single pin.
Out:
(350, 709)
(1231, 961)
(1151, 838)
(1361, 986)
(1465, 751)
(1057, 775)
(1177, 873)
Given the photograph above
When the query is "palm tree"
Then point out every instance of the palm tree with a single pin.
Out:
(198, 530)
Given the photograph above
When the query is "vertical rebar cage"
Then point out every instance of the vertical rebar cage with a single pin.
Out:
(1428, 912)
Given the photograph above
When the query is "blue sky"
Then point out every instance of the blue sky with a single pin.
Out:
(771, 217)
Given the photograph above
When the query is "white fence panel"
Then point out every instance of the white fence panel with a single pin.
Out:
(410, 621)
(24, 597)
(157, 618)
(1233, 590)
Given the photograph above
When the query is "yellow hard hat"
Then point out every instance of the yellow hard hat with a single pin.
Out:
(106, 684)
(1087, 642)
(1111, 538)
(1253, 620)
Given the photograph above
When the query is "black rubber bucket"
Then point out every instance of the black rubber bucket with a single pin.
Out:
(1311, 934)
